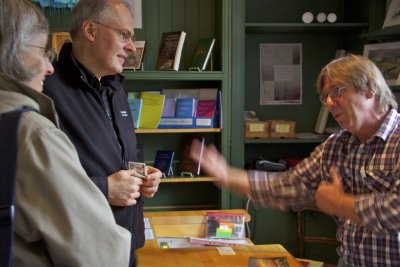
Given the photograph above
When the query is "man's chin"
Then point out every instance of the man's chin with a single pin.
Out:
(119, 69)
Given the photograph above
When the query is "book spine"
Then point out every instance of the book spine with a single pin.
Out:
(178, 53)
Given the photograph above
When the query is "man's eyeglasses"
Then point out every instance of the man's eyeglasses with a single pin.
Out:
(333, 94)
(50, 54)
(125, 34)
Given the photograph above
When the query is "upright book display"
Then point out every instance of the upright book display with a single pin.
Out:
(163, 161)
(202, 54)
(170, 52)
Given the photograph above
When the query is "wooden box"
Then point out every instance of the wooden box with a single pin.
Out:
(256, 129)
(281, 129)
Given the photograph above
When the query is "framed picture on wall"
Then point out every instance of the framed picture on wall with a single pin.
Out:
(392, 14)
(280, 74)
(387, 58)
(134, 60)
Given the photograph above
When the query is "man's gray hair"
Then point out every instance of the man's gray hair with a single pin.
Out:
(96, 10)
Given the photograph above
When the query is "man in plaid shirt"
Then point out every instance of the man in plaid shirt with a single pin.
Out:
(354, 175)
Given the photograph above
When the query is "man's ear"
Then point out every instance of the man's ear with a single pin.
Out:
(89, 30)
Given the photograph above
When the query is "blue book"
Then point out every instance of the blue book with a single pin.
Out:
(185, 107)
(136, 110)
(163, 161)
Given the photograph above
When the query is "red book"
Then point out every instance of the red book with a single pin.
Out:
(206, 108)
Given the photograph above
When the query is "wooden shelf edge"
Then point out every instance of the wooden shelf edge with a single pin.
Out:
(173, 75)
(389, 32)
(284, 140)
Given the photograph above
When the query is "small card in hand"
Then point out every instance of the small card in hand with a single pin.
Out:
(139, 168)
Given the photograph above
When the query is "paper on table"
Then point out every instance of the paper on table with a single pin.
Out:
(148, 234)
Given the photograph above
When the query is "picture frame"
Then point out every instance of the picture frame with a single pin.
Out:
(392, 17)
(386, 56)
(281, 74)
(58, 38)
(134, 60)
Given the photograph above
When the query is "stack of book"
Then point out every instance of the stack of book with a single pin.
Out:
(190, 108)
(176, 108)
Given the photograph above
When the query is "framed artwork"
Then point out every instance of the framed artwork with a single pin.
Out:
(387, 58)
(280, 74)
(58, 39)
(392, 14)
(134, 60)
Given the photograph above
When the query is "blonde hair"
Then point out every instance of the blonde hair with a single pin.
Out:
(363, 75)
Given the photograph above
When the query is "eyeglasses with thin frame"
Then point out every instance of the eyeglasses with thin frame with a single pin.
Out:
(125, 34)
(334, 94)
(50, 54)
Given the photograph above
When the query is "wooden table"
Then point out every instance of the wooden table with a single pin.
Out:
(192, 223)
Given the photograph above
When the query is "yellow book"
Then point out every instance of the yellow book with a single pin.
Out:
(152, 107)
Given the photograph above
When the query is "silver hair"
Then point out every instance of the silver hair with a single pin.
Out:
(363, 75)
(97, 10)
(20, 22)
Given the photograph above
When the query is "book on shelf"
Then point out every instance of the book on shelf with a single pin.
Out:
(188, 167)
(152, 107)
(202, 54)
(169, 107)
(134, 60)
(206, 108)
(185, 107)
(163, 161)
(185, 116)
(136, 110)
(170, 50)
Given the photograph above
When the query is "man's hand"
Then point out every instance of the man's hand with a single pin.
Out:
(150, 185)
(331, 198)
(123, 188)
(211, 162)
(329, 195)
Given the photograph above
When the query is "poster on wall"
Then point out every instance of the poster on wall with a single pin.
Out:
(137, 16)
(280, 74)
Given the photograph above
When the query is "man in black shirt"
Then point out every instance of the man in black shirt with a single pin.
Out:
(93, 109)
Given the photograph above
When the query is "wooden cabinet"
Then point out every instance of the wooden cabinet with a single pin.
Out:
(198, 18)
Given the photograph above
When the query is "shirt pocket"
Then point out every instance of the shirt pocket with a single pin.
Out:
(379, 180)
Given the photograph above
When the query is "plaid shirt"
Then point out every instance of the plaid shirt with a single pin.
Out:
(370, 171)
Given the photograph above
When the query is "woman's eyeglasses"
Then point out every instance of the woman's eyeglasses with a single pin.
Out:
(50, 54)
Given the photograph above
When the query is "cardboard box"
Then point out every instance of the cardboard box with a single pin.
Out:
(282, 129)
(256, 129)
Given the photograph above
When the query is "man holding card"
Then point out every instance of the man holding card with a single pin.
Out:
(94, 112)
